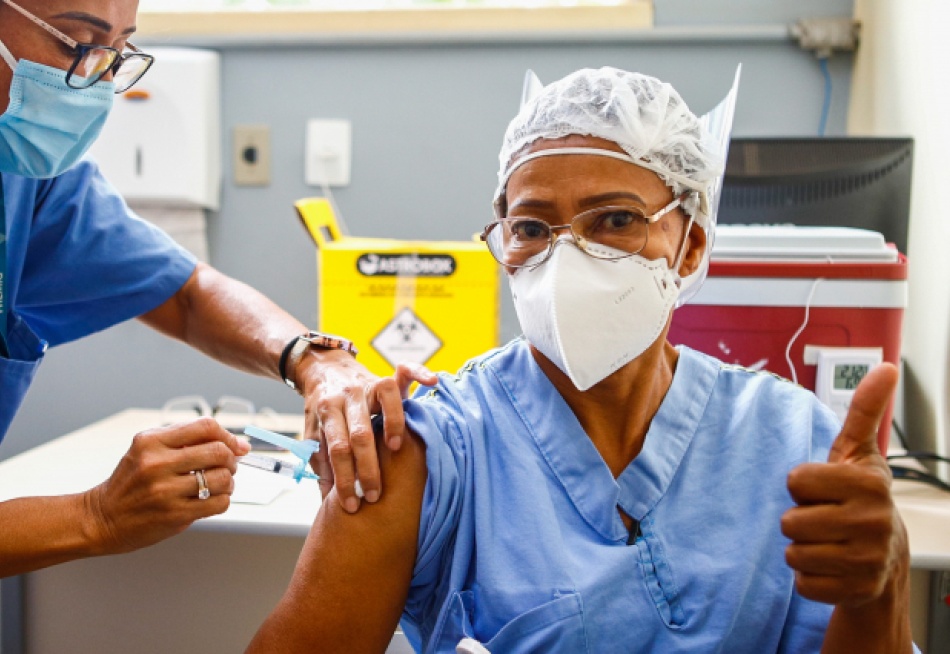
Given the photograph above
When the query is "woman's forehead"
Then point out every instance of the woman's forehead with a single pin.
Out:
(570, 141)
(582, 174)
(121, 14)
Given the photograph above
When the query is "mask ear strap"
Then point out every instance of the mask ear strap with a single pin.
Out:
(7, 56)
(682, 253)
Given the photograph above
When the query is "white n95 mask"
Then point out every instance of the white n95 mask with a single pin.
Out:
(590, 316)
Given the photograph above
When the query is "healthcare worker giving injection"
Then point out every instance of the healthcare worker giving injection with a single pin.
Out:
(74, 260)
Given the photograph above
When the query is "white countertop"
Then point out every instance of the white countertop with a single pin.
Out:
(926, 513)
(78, 461)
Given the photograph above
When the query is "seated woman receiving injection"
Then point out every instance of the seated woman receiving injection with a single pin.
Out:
(589, 487)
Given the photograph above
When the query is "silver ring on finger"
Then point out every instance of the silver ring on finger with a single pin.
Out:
(203, 491)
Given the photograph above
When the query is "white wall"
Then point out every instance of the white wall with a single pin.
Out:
(900, 88)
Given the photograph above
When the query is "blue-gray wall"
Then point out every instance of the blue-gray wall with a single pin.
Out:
(427, 122)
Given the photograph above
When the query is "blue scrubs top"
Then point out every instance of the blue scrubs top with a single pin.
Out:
(521, 545)
(78, 261)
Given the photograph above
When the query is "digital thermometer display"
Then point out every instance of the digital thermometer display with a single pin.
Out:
(849, 375)
(840, 370)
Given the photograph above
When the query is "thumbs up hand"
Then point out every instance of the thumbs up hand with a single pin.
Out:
(849, 546)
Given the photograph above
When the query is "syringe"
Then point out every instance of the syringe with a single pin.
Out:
(303, 450)
(270, 464)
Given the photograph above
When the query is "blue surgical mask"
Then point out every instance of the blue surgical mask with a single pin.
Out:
(48, 126)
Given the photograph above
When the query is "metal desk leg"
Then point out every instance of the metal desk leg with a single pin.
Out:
(11, 616)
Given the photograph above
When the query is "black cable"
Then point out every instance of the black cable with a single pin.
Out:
(920, 456)
(900, 434)
(913, 474)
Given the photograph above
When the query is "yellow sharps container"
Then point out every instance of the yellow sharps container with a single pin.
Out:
(429, 302)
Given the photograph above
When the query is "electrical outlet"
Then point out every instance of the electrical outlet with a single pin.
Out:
(251, 155)
(824, 36)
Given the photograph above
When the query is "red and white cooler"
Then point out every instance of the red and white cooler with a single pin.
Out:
(832, 298)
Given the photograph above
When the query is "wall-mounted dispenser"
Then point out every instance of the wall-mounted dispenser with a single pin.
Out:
(162, 141)
(161, 146)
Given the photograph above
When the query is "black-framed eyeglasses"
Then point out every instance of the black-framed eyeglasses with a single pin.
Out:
(93, 62)
(613, 232)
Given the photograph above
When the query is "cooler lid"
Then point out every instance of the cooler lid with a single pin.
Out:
(796, 243)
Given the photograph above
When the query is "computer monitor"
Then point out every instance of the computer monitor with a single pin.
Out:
(842, 182)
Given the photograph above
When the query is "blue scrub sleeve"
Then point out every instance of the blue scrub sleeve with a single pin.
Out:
(442, 499)
(805, 626)
(90, 262)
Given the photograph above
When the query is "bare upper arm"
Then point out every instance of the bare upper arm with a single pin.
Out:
(170, 317)
(352, 578)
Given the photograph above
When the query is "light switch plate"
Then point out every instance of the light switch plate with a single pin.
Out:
(328, 153)
(251, 155)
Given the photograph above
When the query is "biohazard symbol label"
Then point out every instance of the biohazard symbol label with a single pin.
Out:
(406, 339)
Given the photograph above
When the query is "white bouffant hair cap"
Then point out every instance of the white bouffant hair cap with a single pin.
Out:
(650, 122)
